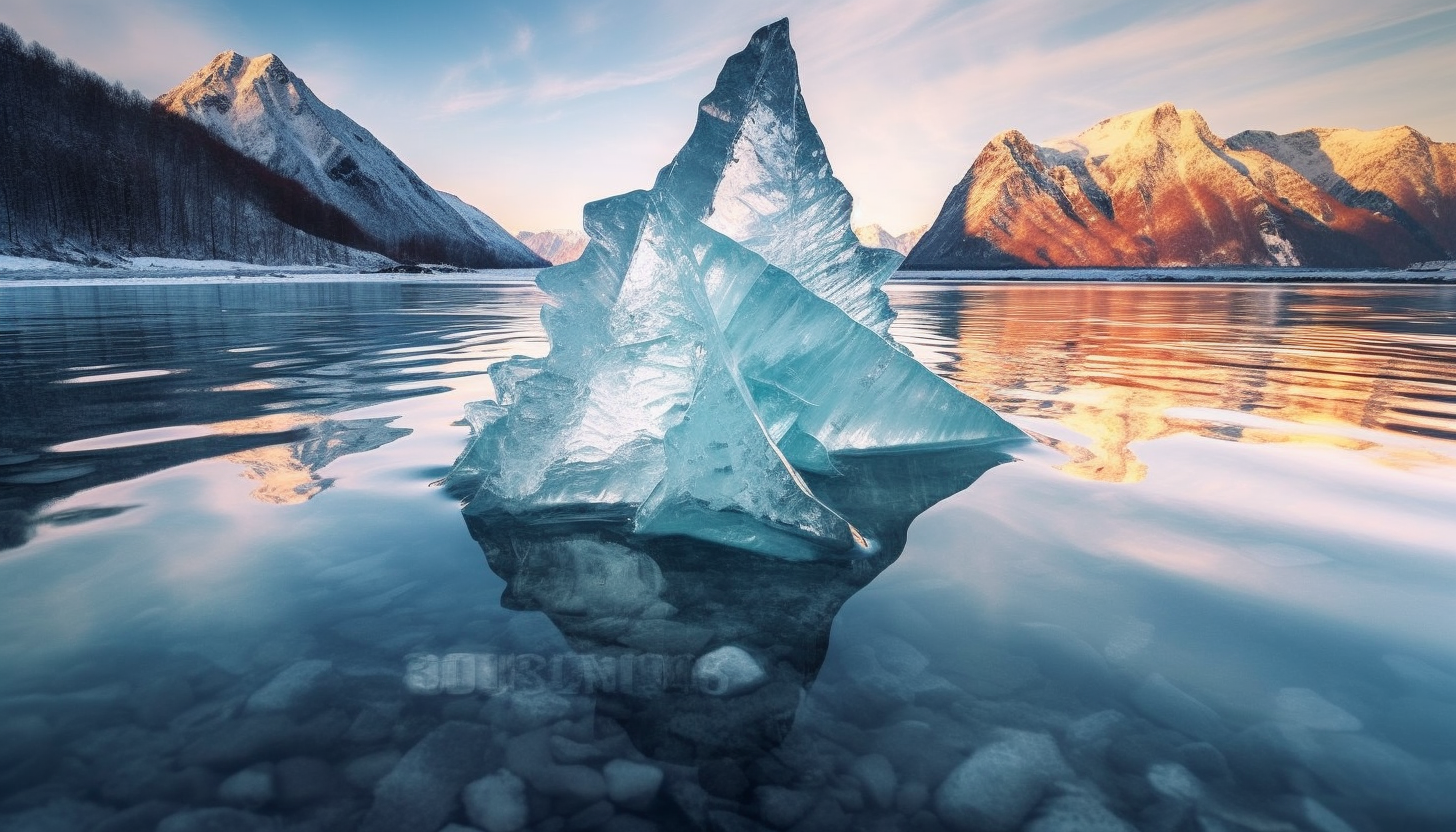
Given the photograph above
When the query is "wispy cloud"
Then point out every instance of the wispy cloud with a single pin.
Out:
(464, 94)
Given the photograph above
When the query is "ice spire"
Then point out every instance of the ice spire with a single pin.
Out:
(755, 170)
(691, 378)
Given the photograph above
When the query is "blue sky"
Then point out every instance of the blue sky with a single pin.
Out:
(530, 109)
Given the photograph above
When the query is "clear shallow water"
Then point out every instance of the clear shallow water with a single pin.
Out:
(1217, 595)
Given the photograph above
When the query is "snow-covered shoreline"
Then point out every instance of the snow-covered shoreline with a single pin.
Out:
(34, 271)
(137, 271)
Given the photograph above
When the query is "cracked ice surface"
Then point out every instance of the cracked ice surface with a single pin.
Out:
(721, 333)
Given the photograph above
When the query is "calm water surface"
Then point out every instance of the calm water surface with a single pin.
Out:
(1218, 593)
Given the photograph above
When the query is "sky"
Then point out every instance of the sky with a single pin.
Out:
(530, 109)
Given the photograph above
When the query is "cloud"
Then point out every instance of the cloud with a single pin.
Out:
(464, 95)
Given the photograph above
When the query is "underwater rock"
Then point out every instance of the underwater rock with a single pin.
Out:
(304, 780)
(728, 671)
(1164, 703)
(250, 788)
(781, 807)
(366, 771)
(1077, 813)
(877, 777)
(722, 336)
(1303, 706)
(295, 687)
(419, 794)
(1175, 782)
(632, 785)
(497, 802)
(1000, 784)
(217, 820)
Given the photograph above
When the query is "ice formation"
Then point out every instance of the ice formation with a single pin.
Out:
(722, 333)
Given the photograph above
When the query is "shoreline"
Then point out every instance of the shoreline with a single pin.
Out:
(216, 273)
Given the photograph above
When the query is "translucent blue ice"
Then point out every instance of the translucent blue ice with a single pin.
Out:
(721, 333)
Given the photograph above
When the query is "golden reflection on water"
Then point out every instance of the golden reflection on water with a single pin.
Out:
(289, 474)
(1123, 364)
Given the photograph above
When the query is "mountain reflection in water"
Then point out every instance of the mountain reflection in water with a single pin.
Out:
(1123, 364)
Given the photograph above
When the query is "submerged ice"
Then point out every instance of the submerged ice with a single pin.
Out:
(722, 334)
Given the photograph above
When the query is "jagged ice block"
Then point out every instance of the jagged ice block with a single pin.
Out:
(721, 333)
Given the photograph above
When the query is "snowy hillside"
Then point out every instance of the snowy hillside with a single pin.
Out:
(488, 230)
(259, 107)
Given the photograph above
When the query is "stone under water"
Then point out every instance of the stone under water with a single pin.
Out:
(723, 334)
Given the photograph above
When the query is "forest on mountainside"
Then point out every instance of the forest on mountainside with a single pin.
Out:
(88, 167)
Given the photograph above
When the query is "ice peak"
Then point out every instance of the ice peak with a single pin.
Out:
(756, 170)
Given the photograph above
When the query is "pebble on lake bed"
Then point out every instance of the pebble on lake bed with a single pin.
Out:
(728, 671)
(293, 687)
(497, 802)
(1000, 784)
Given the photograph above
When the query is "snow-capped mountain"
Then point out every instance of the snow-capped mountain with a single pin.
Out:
(92, 174)
(874, 235)
(260, 108)
(1155, 187)
(557, 245)
(1397, 172)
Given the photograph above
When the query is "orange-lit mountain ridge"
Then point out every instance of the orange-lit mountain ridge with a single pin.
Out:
(1156, 187)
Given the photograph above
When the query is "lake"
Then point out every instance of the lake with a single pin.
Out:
(1217, 592)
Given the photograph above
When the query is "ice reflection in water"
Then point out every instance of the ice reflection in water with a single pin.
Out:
(1234, 614)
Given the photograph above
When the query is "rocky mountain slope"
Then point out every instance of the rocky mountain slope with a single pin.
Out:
(558, 245)
(1156, 187)
(260, 108)
(1397, 172)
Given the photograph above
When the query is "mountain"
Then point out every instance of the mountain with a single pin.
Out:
(558, 245)
(1397, 172)
(90, 172)
(1156, 187)
(875, 236)
(260, 108)
(488, 230)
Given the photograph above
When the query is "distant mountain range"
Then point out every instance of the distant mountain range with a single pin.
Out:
(1157, 188)
(558, 245)
(240, 162)
(875, 236)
